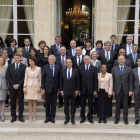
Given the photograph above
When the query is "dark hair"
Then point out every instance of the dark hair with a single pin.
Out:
(135, 45)
(5, 50)
(40, 42)
(33, 59)
(27, 38)
(2, 44)
(58, 37)
(113, 36)
(69, 59)
(17, 54)
(33, 49)
(13, 40)
(99, 41)
(88, 41)
(47, 48)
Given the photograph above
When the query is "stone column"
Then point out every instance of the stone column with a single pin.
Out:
(44, 20)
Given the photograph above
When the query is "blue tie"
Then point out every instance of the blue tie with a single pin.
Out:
(121, 71)
(134, 59)
(69, 75)
(73, 50)
(87, 70)
(16, 68)
(57, 49)
(129, 49)
(52, 70)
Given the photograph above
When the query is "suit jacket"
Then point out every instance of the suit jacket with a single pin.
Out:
(127, 63)
(69, 52)
(53, 49)
(23, 61)
(16, 78)
(108, 82)
(130, 57)
(88, 82)
(125, 80)
(48, 81)
(11, 52)
(75, 62)
(58, 60)
(69, 86)
(3, 79)
(32, 79)
(117, 48)
(98, 65)
(25, 54)
(110, 63)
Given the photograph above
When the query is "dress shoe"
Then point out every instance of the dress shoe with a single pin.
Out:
(73, 121)
(44, 105)
(47, 120)
(77, 106)
(82, 120)
(129, 106)
(59, 106)
(13, 120)
(100, 120)
(137, 122)
(21, 119)
(116, 121)
(7, 105)
(104, 121)
(52, 121)
(66, 121)
(90, 120)
(126, 122)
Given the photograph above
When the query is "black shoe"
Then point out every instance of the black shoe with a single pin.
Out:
(7, 105)
(73, 121)
(126, 122)
(66, 121)
(82, 120)
(77, 106)
(116, 121)
(44, 105)
(104, 121)
(100, 120)
(13, 120)
(91, 120)
(52, 121)
(137, 122)
(129, 106)
(59, 106)
(47, 120)
(21, 119)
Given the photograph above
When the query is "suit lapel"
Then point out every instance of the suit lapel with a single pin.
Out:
(137, 75)
(49, 69)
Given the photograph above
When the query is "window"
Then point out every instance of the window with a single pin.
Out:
(17, 20)
(128, 20)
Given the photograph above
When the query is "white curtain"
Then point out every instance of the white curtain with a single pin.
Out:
(29, 13)
(5, 13)
(123, 13)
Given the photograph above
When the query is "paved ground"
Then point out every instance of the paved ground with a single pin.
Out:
(36, 136)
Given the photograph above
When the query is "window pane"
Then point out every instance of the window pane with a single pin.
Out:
(25, 2)
(6, 2)
(124, 27)
(21, 12)
(126, 2)
(6, 12)
(6, 26)
(21, 40)
(23, 27)
(126, 13)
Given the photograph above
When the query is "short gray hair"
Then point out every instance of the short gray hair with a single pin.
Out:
(130, 36)
(135, 45)
(107, 42)
(51, 56)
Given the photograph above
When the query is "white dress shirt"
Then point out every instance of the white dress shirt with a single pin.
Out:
(6, 62)
(16, 65)
(64, 58)
(139, 74)
(13, 48)
(78, 59)
(86, 66)
(27, 48)
(108, 54)
(127, 48)
(68, 72)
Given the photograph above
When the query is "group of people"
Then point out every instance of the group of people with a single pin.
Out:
(75, 75)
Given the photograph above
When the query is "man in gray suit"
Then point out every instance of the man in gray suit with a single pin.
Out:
(122, 88)
(136, 89)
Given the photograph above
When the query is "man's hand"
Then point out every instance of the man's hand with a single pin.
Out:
(76, 93)
(133, 94)
(109, 96)
(113, 93)
(62, 93)
(58, 91)
(130, 93)
(43, 92)
(16, 86)
(95, 93)
(39, 90)
(8, 92)
(79, 93)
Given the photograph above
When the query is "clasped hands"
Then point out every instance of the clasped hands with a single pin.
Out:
(76, 93)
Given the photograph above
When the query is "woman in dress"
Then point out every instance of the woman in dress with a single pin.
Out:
(3, 87)
(88, 49)
(41, 45)
(99, 46)
(105, 88)
(32, 87)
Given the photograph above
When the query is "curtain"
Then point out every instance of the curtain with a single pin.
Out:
(5, 13)
(29, 13)
(123, 13)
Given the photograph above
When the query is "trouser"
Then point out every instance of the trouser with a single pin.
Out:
(78, 100)
(60, 98)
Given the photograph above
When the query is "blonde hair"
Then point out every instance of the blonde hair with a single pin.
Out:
(93, 53)
(3, 60)
(20, 49)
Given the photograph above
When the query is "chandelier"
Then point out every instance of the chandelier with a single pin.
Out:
(76, 16)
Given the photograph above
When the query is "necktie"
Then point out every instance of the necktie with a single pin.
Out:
(27, 49)
(129, 49)
(69, 75)
(121, 71)
(52, 70)
(63, 63)
(112, 48)
(107, 57)
(134, 59)
(79, 60)
(16, 68)
(87, 70)
(73, 52)
(57, 49)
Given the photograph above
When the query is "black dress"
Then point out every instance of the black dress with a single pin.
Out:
(38, 53)
(87, 52)
(43, 61)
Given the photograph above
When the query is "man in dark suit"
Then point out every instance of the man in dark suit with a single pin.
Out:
(88, 87)
(114, 47)
(61, 60)
(15, 74)
(136, 90)
(27, 48)
(122, 88)
(50, 87)
(72, 52)
(54, 49)
(78, 61)
(127, 61)
(107, 56)
(69, 87)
